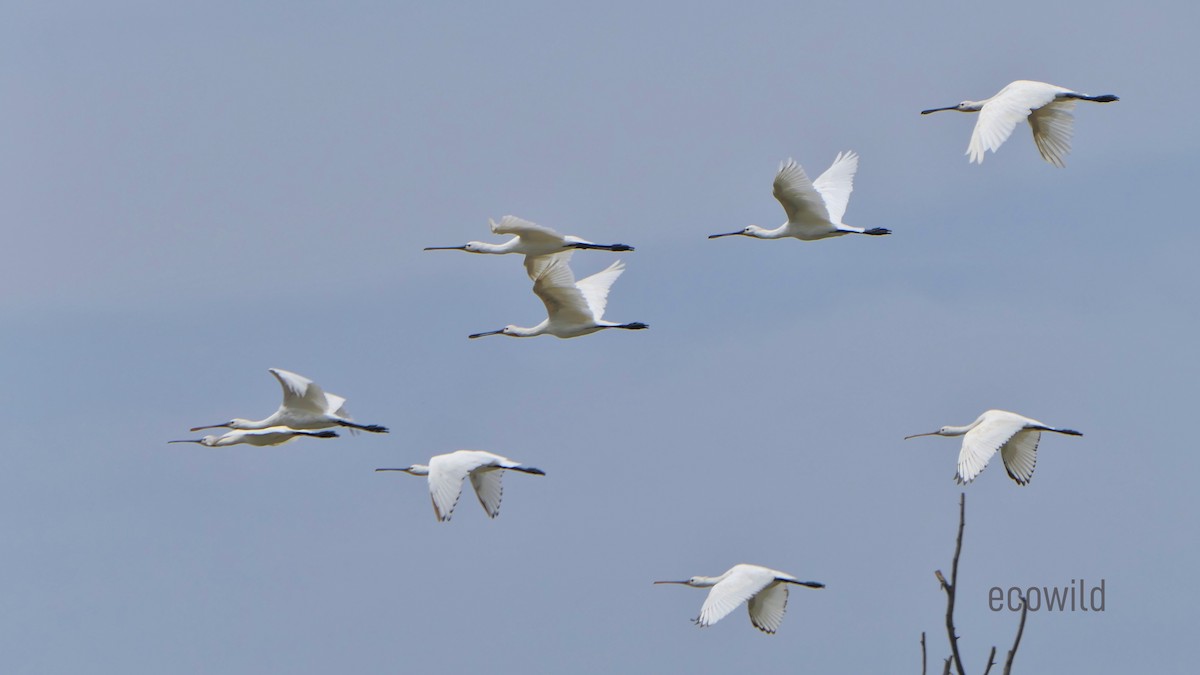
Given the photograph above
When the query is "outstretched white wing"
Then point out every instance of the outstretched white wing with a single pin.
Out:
(1020, 454)
(767, 608)
(527, 231)
(980, 443)
(570, 302)
(488, 487)
(836, 184)
(1001, 114)
(1052, 128)
(447, 473)
(300, 393)
(742, 583)
(595, 288)
(800, 200)
(535, 265)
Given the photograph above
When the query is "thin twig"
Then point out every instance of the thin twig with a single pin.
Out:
(946, 670)
(1017, 642)
(991, 661)
(922, 652)
(952, 587)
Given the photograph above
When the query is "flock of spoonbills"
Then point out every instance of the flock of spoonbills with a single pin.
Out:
(575, 308)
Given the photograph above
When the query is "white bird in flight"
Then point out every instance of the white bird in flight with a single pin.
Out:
(764, 590)
(814, 208)
(257, 437)
(528, 239)
(305, 406)
(573, 308)
(1015, 436)
(447, 473)
(1046, 106)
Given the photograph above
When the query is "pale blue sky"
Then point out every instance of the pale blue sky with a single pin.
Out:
(195, 192)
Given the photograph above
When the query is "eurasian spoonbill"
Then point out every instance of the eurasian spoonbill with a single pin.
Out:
(1046, 106)
(573, 308)
(814, 208)
(1015, 436)
(257, 437)
(305, 406)
(764, 590)
(447, 472)
(528, 239)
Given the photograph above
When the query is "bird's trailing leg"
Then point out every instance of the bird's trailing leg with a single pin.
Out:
(373, 428)
(602, 247)
(527, 469)
(877, 231)
(1103, 98)
(636, 325)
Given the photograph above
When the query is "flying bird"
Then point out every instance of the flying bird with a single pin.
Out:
(257, 437)
(1047, 107)
(1015, 436)
(764, 590)
(305, 406)
(447, 472)
(573, 308)
(814, 208)
(528, 239)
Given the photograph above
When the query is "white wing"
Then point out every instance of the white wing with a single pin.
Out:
(595, 288)
(1020, 455)
(1052, 129)
(1001, 114)
(799, 198)
(836, 184)
(527, 231)
(767, 608)
(743, 583)
(535, 265)
(300, 393)
(488, 488)
(446, 475)
(565, 302)
(336, 405)
(980, 443)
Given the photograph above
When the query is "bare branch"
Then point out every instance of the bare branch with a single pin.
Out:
(952, 587)
(946, 670)
(923, 658)
(1017, 642)
(991, 661)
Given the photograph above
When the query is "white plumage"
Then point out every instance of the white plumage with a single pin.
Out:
(1015, 436)
(305, 406)
(529, 239)
(764, 590)
(573, 308)
(1046, 107)
(448, 472)
(814, 208)
(257, 437)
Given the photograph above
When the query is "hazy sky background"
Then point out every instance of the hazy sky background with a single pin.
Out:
(195, 192)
